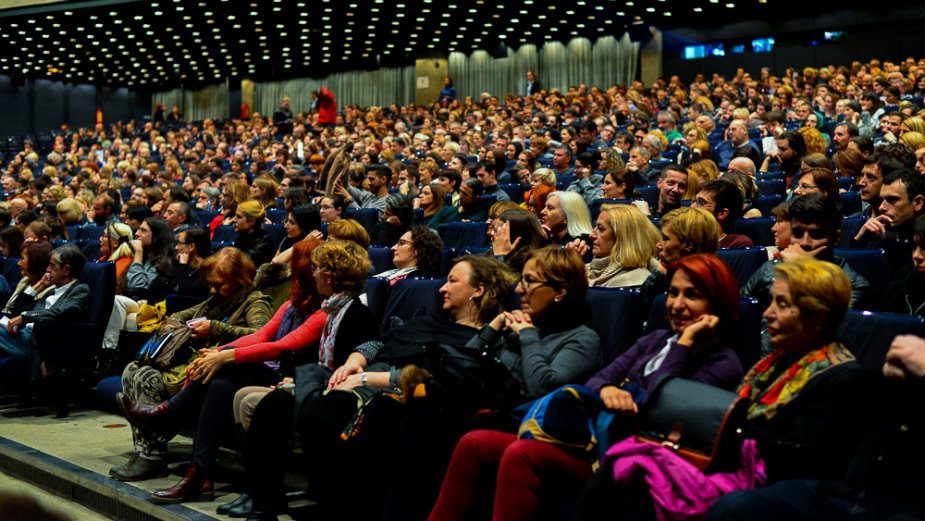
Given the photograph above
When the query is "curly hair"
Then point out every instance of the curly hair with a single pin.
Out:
(815, 142)
(427, 247)
(496, 281)
(232, 265)
(345, 263)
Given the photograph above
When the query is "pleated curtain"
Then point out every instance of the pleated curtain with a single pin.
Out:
(195, 105)
(603, 63)
(365, 88)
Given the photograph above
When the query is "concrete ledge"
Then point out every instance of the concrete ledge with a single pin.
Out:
(110, 497)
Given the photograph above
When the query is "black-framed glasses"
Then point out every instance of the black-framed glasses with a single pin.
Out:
(528, 284)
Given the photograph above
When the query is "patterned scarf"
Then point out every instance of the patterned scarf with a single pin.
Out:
(768, 396)
(334, 307)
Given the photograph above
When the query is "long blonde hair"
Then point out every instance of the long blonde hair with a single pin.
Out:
(635, 237)
(121, 235)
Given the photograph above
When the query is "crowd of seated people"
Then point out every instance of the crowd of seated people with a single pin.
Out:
(517, 207)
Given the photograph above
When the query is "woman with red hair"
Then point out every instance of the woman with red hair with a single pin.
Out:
(703, 313)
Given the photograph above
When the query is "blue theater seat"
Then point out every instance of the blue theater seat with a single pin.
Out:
(616, 315)
(224, 233)
(757, 229)
(460, 234)
(377, 295)
(771, 187)
(380, 257)
(744, 262)
(595, 206)
(514, 191)
(869, 334)
(276, 231)
(277, 216)
(850, 226)
(766, 203)
(413, 297)
(367, 217)
(851, 203)
(872, 265)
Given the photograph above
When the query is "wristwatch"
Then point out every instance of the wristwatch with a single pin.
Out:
(363, 377)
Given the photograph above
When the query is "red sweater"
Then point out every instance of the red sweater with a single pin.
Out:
(260, 346)
(327, 107)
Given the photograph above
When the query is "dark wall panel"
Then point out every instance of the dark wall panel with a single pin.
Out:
(15, 116)
(49, 104)
(81, 106)
(42, 105)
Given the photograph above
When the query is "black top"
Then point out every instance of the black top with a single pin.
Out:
(257, 245)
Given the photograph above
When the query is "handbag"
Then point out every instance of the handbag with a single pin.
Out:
(167, 348)
(698, 422)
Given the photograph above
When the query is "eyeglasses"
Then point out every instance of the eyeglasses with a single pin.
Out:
(531, 284)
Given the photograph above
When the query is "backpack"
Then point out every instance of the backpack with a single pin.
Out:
(565, 418)
(168, 347)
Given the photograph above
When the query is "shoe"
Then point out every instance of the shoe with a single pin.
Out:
(262, 512)
(154, 420)
(223, 509)
(243, 509)
(139, 468)
(196, 485)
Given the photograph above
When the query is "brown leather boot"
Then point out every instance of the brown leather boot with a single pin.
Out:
(154, 420)
(196, 485)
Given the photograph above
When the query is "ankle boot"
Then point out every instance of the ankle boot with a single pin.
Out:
(223, 509)
(196, 485)
(155, 420)
(139, 468)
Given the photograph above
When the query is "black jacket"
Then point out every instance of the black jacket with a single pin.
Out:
(72, 306)
(256, 244)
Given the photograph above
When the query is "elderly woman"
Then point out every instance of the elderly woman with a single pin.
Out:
(235, 308)
(808, 375)
(702, 307)
(566, 218)
(624, 248)
(416, 254)
(252, 239)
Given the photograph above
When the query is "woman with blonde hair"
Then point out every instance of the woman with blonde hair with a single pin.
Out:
(252, 239)
(913, 140)
(700, 172)
(115, 245)
(69, 211)
(624, 248)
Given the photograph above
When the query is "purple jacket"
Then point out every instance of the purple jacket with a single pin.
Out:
(712, 365)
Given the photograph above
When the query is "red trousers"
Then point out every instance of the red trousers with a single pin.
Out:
(522, 466)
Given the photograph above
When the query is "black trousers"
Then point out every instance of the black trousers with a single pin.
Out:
(212, 403)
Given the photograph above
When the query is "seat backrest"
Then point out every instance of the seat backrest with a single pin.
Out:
(91, 248)
(277, 216)
(377, 295)
(460, 234)
(101, 277)
(851, 202)
(89, 231)
(514, 191)
(749, 348)
(412, 297)
(868, 334)
(757, 229)
(744, 262)
(276, 231)
(766, 203)
(872, 265)
(845, 183)
(771, 187)
(616, 315)
(446, 261)
(367, 217)
(224, 233)
(850, 226)
(11, 271)
(595, 206)
(380, 257)
(649, 194)
(206, 217)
